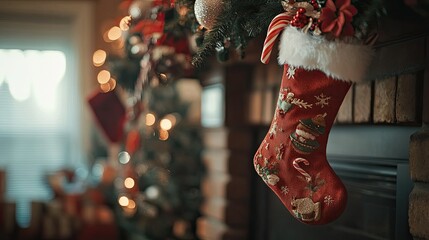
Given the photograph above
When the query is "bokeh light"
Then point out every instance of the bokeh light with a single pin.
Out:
(131, 203)
(99, 57)
(129, 182)
(123, 201)
(152, 192)
(114, 33)
(112, 83)
(105, 87)
(172, 117)
(103, 76)
(163, 135)
(150, 119)
(124, 24)
(165, 124)
(124, 157)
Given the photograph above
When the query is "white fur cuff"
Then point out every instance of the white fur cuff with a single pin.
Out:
(336, 59)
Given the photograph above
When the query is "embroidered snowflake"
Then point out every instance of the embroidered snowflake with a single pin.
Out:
(328, 200)
(291, 72)
(285, 190)
(322, 100)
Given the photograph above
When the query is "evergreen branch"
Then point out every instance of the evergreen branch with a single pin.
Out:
(240, 21)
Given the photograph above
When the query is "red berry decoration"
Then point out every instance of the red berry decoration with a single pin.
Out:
(300, 19)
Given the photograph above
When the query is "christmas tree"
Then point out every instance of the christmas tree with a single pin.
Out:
(155, 192)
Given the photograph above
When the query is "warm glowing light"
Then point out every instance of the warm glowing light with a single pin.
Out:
(163, 135)
(99, 57)
(112, 84)
(105, 87)
(114, 33)
(105, 37)
(125, 22)
(129, 182)
(124, 157)
(131, 203)
(109, 86)
(123, 201)
(172, 118)
(103, 76)
(165, 124)
(150, 119)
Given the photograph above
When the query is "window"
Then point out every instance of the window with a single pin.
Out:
(36, 135)
(44, 75)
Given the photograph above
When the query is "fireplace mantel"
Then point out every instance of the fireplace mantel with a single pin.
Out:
(368, 147)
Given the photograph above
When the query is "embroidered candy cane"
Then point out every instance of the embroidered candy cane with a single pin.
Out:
(276, 26)
(300, 170)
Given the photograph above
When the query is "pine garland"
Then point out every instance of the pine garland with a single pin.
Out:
(239, 22)
(242, 21)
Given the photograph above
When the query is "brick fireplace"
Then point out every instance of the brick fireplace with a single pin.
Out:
(379, 146)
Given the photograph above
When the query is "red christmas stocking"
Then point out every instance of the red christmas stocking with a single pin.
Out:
(292, 157)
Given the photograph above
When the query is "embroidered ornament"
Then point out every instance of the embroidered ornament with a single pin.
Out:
(272, 179)
(304, 138)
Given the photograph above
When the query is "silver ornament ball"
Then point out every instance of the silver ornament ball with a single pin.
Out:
(207, 11)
